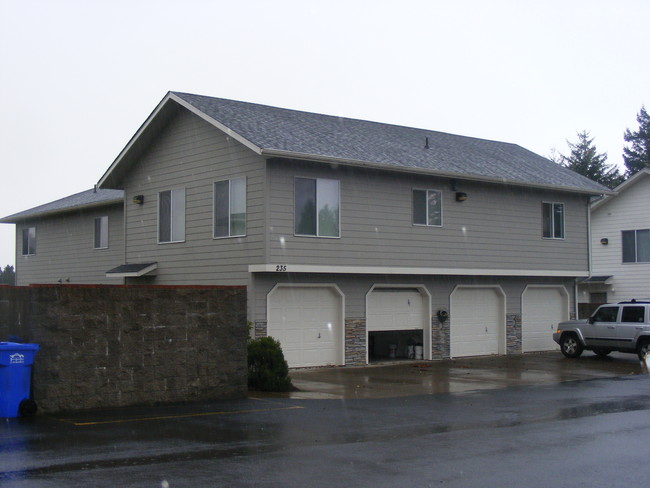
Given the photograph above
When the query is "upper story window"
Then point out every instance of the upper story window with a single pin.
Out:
(29, 241)
(553, 220)
(101, 232)
(171, 216)
(230, 208)
(636, 246)
(316, 207)
(427, 207)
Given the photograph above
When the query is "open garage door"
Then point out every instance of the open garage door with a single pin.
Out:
(477, 321)
(397, 321)
(542, 308)
(307, 320)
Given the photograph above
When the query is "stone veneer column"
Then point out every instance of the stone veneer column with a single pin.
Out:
(440, 345)
(513, 333)
(355, 342)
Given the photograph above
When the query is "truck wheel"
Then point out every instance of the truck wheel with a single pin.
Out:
(570, 346)
(643, 348)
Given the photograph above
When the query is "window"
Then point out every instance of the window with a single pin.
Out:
(553, 220)
(605, 314)
(427, 207)
(636, 246)
(171, 216)
(316, 207)
(29, 241)
(230, 208)
(633, 314)
(101, 232)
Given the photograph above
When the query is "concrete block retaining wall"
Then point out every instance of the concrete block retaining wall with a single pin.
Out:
(110, 346)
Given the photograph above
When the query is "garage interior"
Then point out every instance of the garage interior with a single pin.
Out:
(392, 345)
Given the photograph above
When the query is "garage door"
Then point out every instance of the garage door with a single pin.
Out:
(390, 309)
(307, 322)
(477, 321)
(542, 309)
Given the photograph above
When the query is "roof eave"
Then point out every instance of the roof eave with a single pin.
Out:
(622, 187)
(445, 174)
(17, 218)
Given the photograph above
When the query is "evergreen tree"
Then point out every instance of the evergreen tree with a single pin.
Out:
(585, 160)
(637, 156)
(7, 276)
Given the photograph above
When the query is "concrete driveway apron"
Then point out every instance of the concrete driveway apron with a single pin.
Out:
(456, 375)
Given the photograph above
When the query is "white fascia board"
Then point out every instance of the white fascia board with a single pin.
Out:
(390, 270)
(444, 174)
(227, 130)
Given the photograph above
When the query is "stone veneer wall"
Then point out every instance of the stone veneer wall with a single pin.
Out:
(111, 346)
(513, 334)
(355, 342)
(440, 345)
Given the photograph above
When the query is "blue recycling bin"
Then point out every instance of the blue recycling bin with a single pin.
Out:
(16, 362)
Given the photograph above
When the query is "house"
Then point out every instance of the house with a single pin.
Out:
(71, 240)
(620, 244)
(356, 240)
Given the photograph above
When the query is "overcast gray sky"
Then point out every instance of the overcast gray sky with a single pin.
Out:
(79, 77)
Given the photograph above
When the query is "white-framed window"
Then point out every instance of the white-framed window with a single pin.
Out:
(29, 241)
(230, 208)
(552, 220)
(316, 207)
(101, 232)
(171, 216)
(636, 246)
(427, 207)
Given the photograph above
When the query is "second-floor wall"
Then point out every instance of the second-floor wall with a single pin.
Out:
(390, 219)
(74, 247)
(626, 213)
(188, 169)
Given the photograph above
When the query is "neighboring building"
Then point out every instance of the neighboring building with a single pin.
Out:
(355, 239)
(72, 240)
(620, 244)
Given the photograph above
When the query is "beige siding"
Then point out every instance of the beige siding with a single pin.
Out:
(628, 211)
(65, 248)
(497, 227)
(355, 288)
(192, 154)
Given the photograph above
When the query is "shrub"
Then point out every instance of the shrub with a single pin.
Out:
(267, 368)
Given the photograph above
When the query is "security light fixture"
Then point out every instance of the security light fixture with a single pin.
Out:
(139, 199)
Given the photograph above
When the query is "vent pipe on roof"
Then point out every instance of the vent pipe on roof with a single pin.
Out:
(426, 143)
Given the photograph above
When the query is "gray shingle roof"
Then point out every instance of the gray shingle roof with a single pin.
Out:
(85, 199)
(291, 133)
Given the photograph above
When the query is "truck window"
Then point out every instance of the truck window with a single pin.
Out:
(605, 314)
(633, 314)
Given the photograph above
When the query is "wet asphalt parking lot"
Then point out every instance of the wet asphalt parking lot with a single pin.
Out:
(531, 420)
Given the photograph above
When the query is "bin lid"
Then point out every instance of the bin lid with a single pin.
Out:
(17, 346)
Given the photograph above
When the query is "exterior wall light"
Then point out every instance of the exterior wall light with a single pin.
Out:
(461, 196)
(139, 199)
(604, 241)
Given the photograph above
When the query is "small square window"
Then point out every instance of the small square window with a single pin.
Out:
(427, 207)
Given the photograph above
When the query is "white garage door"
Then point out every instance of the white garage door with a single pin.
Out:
(307, 322)
(542, 309)
(477, 321)
(391, 309)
